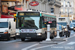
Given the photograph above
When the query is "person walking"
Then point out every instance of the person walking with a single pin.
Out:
(68, 27)
(67, 33)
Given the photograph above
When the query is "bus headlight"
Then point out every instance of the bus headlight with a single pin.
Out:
(17, 34)
(71, 27)
(38, 34)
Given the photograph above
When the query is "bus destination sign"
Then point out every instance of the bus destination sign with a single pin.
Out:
(21, 14)
(28, 14)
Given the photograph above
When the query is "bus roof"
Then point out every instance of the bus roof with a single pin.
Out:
(27, 11)
(48, 15)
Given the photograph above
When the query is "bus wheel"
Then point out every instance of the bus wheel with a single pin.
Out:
(51, 37)
(15, 38)
(22, 39)
(74, 30)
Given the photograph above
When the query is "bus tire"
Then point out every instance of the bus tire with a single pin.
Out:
(22, 39)
(74, 30)
(51, 37)
(15, 38)
(8, 39)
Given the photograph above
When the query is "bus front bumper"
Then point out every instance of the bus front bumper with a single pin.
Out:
(31, 36)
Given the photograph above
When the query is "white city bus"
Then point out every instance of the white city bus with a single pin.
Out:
(32, 25)
(63, 21)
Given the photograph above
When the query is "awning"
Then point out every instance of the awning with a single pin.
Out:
(6, 16)
(15, 8)
(18, 7)
(12, 13)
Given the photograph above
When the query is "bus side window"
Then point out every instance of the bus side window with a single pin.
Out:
(41, 22)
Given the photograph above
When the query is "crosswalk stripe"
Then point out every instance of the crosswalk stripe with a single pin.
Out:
(71, 43)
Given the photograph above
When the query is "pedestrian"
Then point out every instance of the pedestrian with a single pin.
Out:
(51, 35)
(74, 29)
(67, 33)
(68, 27)
(54, 33)
(61, 33)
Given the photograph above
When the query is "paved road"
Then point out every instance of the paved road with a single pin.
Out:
(34, 45)
(15, 44)
(66, 45)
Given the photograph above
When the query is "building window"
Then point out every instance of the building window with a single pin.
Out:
(62, 5)
(52, 10)
(33, 0)
(66, 10)
(61, 10)
(71, 12)
(70, 5)
(66, 5)
(49, 0)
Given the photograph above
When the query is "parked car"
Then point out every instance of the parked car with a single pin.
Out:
(72, 25)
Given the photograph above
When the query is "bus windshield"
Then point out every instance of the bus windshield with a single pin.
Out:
(28, 22)
(3, 24)
(64, 24)
(73, 20)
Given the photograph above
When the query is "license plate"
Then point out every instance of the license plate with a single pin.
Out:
(28, 30)
(28, 37)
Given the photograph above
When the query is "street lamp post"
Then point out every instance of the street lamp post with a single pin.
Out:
(68, 13)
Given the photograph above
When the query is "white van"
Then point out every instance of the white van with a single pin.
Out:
(7, 28)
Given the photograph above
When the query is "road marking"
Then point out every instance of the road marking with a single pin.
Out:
(42, 47)
(61, 42)
(71, 43)
(54, 44)
(30, 46)
(67, 39)
(10, 41)
(71, 36)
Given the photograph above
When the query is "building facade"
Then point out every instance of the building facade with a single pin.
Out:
(67, 8)
(10, 3)
(48, 6)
